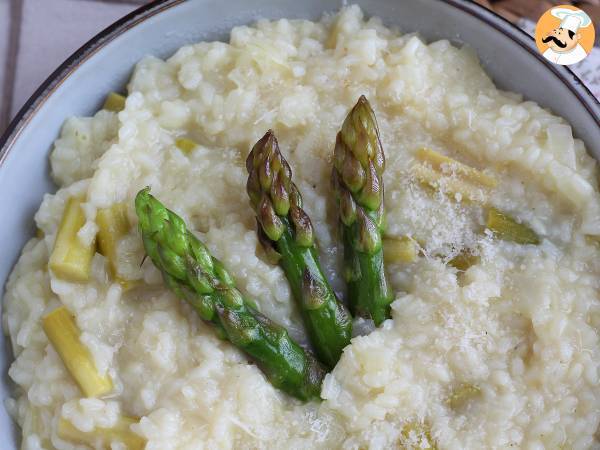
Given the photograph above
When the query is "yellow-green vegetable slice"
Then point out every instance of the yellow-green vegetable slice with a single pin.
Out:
(447, 165)
(71, 259)
(461, 395)
(508, 229)
(113, 224)
(464, 260)
(186, 145)
(64, 335)
(114, 102)
(399, 250)
(450, 185)
(120, 433)
(416, 435)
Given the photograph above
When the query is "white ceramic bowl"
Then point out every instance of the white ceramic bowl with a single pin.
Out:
(104, 64)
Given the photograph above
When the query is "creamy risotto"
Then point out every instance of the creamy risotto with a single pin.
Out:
(502, 353)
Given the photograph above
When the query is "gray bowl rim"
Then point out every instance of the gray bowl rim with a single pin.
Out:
(48, 87)
(95, 44)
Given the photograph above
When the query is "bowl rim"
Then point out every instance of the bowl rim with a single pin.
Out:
(143, 13)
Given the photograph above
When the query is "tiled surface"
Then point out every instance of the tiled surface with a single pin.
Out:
(36, 36)
(4, 46)
(44, 33)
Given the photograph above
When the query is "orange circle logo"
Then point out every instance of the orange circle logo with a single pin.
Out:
(565, 35)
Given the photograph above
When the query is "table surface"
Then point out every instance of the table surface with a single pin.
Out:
(36, 36)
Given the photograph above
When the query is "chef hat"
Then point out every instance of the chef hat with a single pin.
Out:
(570, 19)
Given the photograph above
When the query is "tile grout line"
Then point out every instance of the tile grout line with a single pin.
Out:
(14, 38)
(130, 2)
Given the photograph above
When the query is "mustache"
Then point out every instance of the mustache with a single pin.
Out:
(555, 40)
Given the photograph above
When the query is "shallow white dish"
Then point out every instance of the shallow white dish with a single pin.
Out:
(104, 64)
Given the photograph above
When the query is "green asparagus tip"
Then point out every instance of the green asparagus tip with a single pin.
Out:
(359, 163)
(195, 276)
(286, 233)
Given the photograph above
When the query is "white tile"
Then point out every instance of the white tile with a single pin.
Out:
(53, 30)
(4, 33)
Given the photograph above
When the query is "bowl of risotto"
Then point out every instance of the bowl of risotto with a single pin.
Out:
(303, 225)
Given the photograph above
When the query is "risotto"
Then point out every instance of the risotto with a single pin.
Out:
(501, 352)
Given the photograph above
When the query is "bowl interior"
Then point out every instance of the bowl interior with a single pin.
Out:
(104, 64)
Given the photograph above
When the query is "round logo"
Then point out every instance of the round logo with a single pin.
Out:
(565, 35)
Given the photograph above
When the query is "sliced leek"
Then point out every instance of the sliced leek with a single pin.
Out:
(508, 229)
(462, 395)
(444, 164)
(64, 335)
(71, 259)
(450, 185)
(399, 250)
(114, 102)
(113, 224)
(464, 260)
(416, 435)
(121, 433)
(185, 145)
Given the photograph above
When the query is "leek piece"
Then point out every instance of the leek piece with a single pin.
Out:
(449, 185)
(63, 334)
(121, 432)
(70, 258)
(113, 224)
(464, 260)
(399, 250)
(114, 102)
(463, 394)
(445, 164)
(185, 145)
(127, 285)
(416, 435)
(508, 229)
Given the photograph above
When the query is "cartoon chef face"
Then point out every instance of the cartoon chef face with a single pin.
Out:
(562, 40)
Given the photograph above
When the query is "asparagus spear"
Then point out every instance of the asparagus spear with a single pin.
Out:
(200, 279)
(357, 181)
(285, 228)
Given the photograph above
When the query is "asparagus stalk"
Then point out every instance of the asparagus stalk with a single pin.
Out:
(400, 250)
(113, 224)
(444, 164)
(417, 435)
(464, 260)
(357, 181)
(195, 276)
(451, 186)
(114, 102)
(70, 258)
(508, 229)
(63, 334)
(462, 394)
(121, 432)
(285, 230)
(186, 145)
